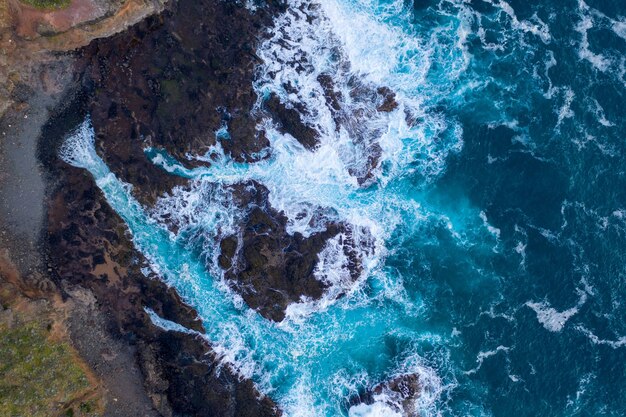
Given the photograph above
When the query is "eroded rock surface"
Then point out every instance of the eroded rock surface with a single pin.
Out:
(90, 249)
(400, 393)
(171, 82)
(271, 268)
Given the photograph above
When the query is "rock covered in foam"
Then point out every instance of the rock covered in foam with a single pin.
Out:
(290, 122)
(271, 268)
(395, 397)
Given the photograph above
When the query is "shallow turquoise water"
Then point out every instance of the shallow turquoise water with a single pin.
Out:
(497, 217)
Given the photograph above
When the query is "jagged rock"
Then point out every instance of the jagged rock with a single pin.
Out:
(171, 82)
(290, 122)
(399, 393)
(89, 247)
(388, 103)
(271, 268)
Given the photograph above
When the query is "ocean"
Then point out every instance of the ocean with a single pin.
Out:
(491, 228)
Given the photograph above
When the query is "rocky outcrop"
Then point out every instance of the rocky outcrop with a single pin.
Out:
(172, 82)
(400, 393)
(91, 253)
(289, 121)
(271, 268)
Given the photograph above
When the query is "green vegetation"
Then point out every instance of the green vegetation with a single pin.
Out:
(40, 377)
(47, 4)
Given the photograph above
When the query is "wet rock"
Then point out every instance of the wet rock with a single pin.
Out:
(399, 393)
(269, 267)
(333, 98)
(171, 82)
(389, 103)
(290, 122)
(228, 246)
(89, 247)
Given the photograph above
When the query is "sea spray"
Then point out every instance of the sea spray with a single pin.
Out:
(290, 361)
(492, 183)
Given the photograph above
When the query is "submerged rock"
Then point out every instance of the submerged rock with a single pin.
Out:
(388, 102)
(399, 394)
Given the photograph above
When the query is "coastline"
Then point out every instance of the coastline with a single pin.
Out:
(70, 244)
(27, 272)
(139, 369)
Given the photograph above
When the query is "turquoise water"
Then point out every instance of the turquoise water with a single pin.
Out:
(493, 231)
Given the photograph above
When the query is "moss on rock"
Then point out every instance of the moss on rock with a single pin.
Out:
(40, 376)
(47, 4)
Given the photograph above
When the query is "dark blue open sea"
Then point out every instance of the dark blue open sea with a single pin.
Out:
(492, 229)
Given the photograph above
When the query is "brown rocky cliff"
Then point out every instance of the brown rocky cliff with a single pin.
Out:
(31, 38)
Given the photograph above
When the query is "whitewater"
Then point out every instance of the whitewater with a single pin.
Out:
(452, 287)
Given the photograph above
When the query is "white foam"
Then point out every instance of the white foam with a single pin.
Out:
(251, 346)
(520, 248)
(550, 63)
(333, 269)
(565, 111)
(539, 28)
(619, 214)
(619, 27)
(376, 409)
(349, 43)
(495, 232)
(361, 51)
(480, 358)
(313, 186)
(615, 344)
(514, 378)
(600, 116)
(598, 61)
(168, 325)
(552, 319)
(432, 386)
(79, 148)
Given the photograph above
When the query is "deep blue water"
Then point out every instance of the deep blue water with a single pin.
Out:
(497, 214)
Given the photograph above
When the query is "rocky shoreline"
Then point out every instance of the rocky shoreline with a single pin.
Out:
(148, 74)
(69, 244)
(92, 253)
(84, 254)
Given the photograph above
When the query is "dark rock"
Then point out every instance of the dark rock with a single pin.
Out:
(272, 269)
(169, 82)
(400, 393)
(290, 122)
(181, 375)
(389, 103)
(333, 98)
